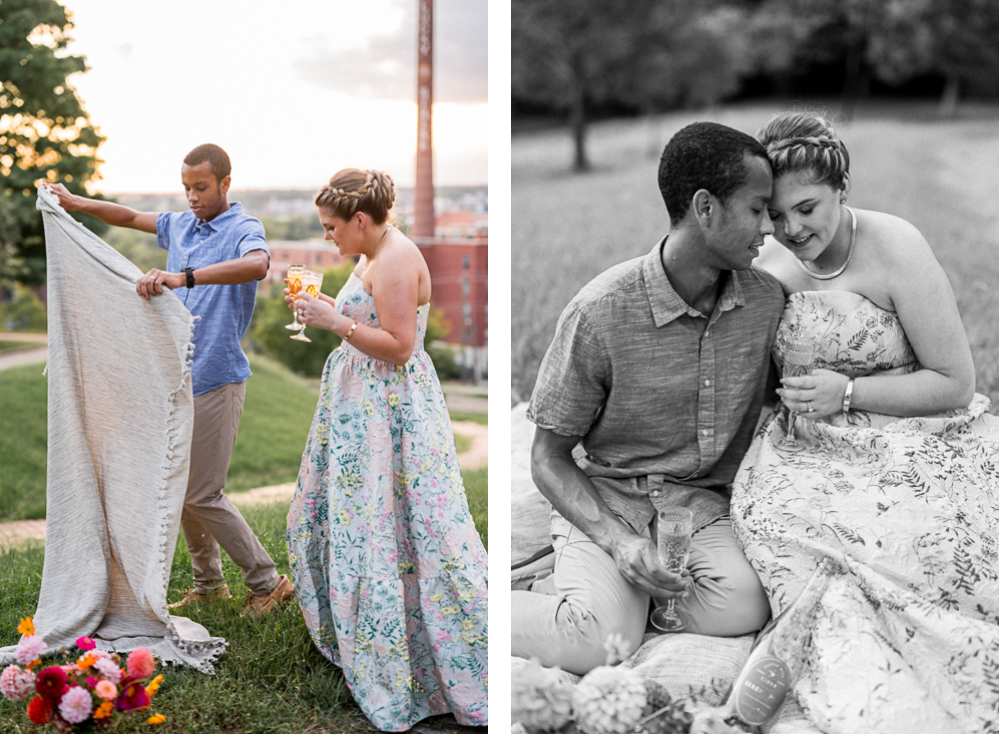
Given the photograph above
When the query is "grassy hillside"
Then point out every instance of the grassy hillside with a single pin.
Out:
(940, 175)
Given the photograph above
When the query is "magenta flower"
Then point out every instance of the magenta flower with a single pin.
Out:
(76, 705)
(85, 643)
(51, 683)
(133, 695)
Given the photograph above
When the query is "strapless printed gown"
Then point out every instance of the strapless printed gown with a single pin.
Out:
(388, 568)
(906, 638)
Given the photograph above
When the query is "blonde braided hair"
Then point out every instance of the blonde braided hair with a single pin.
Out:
(352, 190)
(802, 141)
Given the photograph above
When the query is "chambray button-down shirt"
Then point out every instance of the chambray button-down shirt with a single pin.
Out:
(224, 311)
(665, 399)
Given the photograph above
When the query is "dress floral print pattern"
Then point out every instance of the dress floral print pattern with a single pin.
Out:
(388, 567)
(907, 638)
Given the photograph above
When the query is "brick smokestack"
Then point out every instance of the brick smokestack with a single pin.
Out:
(423, 205)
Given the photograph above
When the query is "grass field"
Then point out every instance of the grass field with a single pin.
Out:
(567, 228)
(276, 418)
(271, 678)
(11, 346)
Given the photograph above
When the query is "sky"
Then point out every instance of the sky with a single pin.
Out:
(292, 96)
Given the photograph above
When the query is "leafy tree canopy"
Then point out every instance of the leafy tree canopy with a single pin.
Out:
(44, 130)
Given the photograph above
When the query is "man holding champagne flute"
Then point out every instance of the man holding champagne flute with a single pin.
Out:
(658, 368)
(215, 256)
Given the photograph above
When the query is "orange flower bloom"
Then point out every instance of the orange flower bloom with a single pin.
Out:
(26, 627)
(104, 710)
(154, 685)
(86, 661)
(156, 719)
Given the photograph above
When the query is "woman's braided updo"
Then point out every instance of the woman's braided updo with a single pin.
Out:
(802, 141)
(351, 191)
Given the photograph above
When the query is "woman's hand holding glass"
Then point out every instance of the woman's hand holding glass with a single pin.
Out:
(821, 390)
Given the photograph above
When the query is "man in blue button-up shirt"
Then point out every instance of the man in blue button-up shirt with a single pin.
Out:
(215, 256)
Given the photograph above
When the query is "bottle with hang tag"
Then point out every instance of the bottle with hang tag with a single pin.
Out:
(778, 657)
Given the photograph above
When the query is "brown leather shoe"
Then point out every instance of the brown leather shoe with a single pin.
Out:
(258, 606)
(194, 597)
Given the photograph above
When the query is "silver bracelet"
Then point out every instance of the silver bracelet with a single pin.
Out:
(848, 393)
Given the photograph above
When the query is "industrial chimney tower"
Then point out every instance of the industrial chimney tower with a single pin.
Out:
(423, 204)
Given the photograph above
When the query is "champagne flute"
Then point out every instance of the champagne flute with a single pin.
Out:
(674, 526)
(295, 273)
(797, 360)
(311, 282)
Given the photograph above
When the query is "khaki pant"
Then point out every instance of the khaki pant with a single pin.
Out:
(586, 599)
(209, 519)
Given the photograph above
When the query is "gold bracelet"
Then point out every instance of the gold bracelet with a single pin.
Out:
(347, 336)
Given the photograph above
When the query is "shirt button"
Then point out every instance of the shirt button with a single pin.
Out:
(655, 493)
(705, 431)
(708, 383)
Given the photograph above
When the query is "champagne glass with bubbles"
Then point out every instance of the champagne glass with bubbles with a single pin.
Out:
(798, 358)
(311, 283)
(674, 526)
(295, 273)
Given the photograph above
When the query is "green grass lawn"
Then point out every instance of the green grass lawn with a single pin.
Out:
(939, 175)
(276, 418)
(271, 678)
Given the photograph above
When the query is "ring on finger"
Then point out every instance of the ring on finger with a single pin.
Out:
(809, 408)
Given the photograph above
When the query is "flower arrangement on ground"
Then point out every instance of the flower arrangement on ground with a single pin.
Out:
(84, 691)
(608, 700)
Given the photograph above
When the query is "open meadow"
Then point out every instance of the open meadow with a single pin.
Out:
(941, 175)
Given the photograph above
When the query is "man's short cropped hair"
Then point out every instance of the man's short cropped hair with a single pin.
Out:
(218, 161)
(704, 155)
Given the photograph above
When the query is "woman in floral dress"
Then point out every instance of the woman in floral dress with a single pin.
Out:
(895, 480)
(389, 570)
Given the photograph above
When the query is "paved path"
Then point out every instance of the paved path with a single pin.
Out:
(13, 533)
(28, 355)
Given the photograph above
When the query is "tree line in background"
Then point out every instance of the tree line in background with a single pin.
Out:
(580, 57)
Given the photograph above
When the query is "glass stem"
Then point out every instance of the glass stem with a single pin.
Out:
(790, 433)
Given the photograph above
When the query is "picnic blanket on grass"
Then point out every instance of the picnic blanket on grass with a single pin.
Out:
(120, 415)
(690, 667)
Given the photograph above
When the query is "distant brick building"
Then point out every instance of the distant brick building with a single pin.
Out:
(314, 254)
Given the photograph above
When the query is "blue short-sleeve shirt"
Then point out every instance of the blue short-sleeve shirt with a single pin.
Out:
(224, 311)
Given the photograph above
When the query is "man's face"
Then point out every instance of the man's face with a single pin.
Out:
(738, 232)
(205, 195)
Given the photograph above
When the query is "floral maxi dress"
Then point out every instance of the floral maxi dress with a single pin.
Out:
(388, 568)
(906, 639)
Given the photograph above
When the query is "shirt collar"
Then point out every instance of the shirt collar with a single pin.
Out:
(235, 209)
(664, 302)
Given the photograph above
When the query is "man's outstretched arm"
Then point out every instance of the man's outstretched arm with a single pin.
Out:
(108, 212)
(575, 497)
(252, 266)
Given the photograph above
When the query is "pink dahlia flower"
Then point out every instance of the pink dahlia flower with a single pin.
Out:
(106, 690)
(85, 643)
(76, 705)
(109, 669)
(16, 684)
(30, 648)
(140, 663)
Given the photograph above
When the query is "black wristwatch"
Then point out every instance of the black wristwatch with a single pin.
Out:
(189, 272)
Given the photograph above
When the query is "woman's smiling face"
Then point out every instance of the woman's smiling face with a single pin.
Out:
(805, 214)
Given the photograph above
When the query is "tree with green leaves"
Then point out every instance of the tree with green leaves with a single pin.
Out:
(45, 133)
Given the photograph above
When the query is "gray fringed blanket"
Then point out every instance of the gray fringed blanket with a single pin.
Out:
(120, 413)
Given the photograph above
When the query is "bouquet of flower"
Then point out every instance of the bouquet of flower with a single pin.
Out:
(608, 700)
(86, 691)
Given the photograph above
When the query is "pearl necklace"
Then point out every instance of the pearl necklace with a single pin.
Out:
(850, 252)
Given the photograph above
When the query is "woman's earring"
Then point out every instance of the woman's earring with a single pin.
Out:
(843, 199)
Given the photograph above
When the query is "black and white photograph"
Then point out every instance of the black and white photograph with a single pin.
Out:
(754, 349)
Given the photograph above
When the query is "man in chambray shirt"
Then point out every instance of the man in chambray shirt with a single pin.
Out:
(657, 370)
(215, 256)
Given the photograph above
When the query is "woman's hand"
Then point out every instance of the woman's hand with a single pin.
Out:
(818, 394)
(319, 313)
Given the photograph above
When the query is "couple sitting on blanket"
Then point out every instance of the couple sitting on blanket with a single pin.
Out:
(659, 369)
